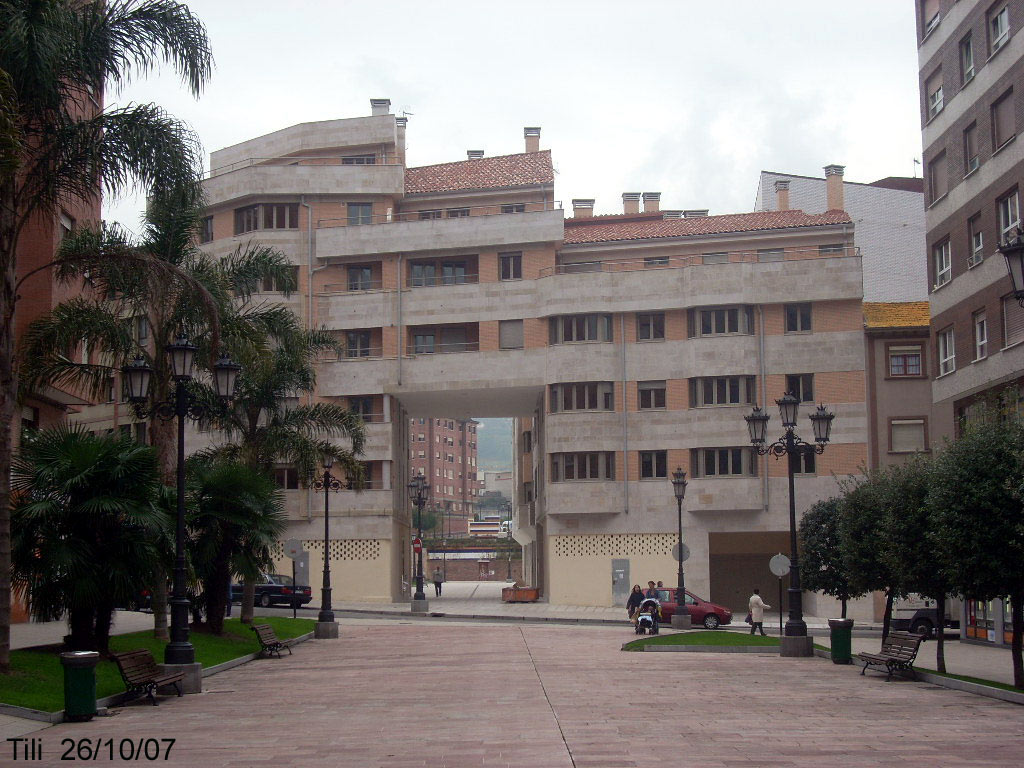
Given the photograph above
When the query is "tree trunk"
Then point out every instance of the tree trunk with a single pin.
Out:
(8, 397)
(940, 639)
(248, 600)
(104, 621)
(887, 616)
(217, 590)
(80, 622)
(1017, 620)
(842, 608)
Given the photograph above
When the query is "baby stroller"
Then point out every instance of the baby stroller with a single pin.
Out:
(647, 616)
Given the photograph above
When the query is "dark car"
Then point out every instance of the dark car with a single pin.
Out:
(711, 615)
(275, 589)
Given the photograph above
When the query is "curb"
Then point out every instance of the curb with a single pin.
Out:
(772, 649)
(102, 705)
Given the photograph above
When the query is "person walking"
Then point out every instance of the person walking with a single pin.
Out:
(757, 609)
(438, 576)
(635, 598)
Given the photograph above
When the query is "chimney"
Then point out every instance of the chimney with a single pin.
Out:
(474, 154)
(630, 202)
(380, 106)
(695, 213)
(782, 195)
(834, 187)
(532, 136)
(582, 208)
(671, 214)
(652, 201)
(400, 123)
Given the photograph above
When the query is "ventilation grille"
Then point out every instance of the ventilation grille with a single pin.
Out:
(615, 545)
(343, 549)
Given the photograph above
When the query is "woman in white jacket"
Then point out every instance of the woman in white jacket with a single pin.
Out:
(757, 609)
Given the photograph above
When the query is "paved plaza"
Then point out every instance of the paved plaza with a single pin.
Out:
(445, 694)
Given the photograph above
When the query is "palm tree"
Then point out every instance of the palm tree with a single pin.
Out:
(85, 528)
(133, 310)
(236, 515)
(263, 426)
(55, 54)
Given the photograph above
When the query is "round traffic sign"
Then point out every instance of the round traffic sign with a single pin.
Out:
(417, 546)
(779, 565)
(675, 552)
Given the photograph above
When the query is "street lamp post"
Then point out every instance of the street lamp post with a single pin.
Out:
(508, 529)
(326, 627)
(681, 618)
(139, 375)
(418, 493)
(795, 641)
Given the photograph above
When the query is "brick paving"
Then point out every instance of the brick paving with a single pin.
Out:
(450, 695)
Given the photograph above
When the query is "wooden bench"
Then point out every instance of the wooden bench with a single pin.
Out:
(142, 676)
(268, 640)
(897, 654)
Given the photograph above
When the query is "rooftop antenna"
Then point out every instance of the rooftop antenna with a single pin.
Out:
(916, 163)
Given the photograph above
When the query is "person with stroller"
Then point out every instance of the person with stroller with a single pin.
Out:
(635, 598)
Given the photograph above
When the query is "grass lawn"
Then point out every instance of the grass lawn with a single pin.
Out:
(36, 680)
(709, 637)
(967, 679)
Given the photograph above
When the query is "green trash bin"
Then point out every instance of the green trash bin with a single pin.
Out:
(841, 633)
(79, 685)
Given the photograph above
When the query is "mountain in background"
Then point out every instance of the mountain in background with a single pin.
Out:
(494, 445)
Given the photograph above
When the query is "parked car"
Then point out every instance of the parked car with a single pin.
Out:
(274, 589)
(921, 616)
(711, 615)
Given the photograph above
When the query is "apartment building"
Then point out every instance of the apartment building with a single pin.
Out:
(445, 452)
(971, 65)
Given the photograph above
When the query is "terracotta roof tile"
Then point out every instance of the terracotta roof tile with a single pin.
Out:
(485, 173)
(903, 314)
(605, 228)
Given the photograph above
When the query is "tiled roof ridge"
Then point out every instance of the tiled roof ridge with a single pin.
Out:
(479, 159)
(641, 216)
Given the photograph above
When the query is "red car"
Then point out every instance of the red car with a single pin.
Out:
(711, 615)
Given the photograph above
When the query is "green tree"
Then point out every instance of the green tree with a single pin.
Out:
(976, 498)
(85, 529)
(54, 54)
(863, 541)
(132, 308)
(822, 566)
(236, 514)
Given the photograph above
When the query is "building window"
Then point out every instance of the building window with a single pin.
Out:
(513, 208)
(357, 344)
(770, 254)
(591, 465)
(510, 334)
(140, 330)
(582, 396)
(247, 219)
(980, 335)
(975, 241)
(998, 27)
(650, 326)
(359, 160)
(905, 361)
(798, 318)
(456, 213)
(655, 261)
(362, 406)
(1008, 209)
(428, 215)
(930, 17)
(206, 229)
(360, 278)
(722, 390)
(804, 463)
(1002, 121)
(714, 258)
(906, 436)
(281, 216)
(938, 177)
(279, 284)
(933, 90)
(943, 263)
(801, 386)
(421, 274)
(453, 273)
(566, 329)
(653, 465)
(528, 441)
(947, 351)
(360, 213)
(966, 60)
(651, 394)
(832, 249)
(423, 344)
(726, 320)
(1013, 322)
(510, 266)
(287, 478)
(971, 161)
(66, 225)
(723, 462)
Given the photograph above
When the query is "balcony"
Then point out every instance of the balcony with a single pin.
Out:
(257, 177)
(484, 227)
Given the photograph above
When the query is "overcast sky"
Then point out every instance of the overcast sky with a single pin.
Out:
(690, 99)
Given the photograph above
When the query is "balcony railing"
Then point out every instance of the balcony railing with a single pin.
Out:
(361, 353)
(698, 260)
(436, 214)
(424, 281)
(372, 418)
(442, 349)
(358, 285)
(366, 158)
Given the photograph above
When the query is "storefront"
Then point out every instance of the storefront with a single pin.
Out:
(987, 621)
